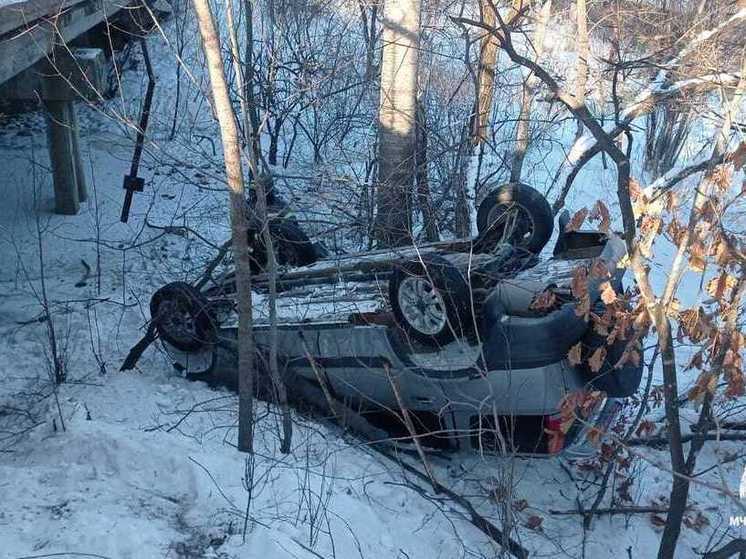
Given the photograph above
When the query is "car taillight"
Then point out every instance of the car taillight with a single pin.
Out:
(555, 438)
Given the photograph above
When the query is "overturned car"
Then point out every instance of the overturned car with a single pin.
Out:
(450, 331)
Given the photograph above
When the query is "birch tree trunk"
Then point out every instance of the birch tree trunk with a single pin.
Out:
(239, 223)
(396, 122)
(262, 183)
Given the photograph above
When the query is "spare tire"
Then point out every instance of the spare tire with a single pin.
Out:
(291, 244)
(430, 299)
(520, 208)
(182, 316)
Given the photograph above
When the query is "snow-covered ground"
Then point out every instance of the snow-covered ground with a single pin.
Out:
(143, 464)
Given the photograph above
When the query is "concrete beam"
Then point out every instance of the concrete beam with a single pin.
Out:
(17, 15)
(23, 47)
(65, 75)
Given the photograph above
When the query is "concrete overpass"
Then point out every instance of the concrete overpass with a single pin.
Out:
(37, 63)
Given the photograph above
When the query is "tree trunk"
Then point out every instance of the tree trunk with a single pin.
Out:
(424, 201)
(530, 84)
(683, 470)
(262, 184)
(239, 223)
(485, 76)
(460, 182)
(581, 64)
(488, 67)
(396, 122)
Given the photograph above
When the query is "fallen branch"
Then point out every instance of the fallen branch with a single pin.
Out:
(410, 427)
(612, 510)
(379, 441)
(139, 348)
(663, 441)
(476, 519)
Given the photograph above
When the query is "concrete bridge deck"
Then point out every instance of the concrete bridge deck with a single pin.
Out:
(30, 29)
(36, 64)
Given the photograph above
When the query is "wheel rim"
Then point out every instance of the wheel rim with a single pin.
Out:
(513, 222)
(422, 305)
(175, 320)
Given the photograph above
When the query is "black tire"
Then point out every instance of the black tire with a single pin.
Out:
(292, 246)
(182, 316)
(534, 219)
(451, 290)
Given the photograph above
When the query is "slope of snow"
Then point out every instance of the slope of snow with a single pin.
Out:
(146, 467)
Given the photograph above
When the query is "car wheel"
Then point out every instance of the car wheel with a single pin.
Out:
(291, 244)
(182, 316)
(430, 300)
(516, 214)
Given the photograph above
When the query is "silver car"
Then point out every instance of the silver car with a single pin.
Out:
(449, 331)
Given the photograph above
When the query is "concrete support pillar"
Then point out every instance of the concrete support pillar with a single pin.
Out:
(63, 77)
(65, 157)
(79, 166)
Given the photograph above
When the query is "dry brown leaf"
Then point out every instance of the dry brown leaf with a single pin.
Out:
(736, 387)
(608, 295)
(630, 355)
(575, 355)
(600, 212)
(577, 220)
(645, 428)
(676, 232)
(594, 436)
(695, 324)
(721, 177)
(721, 286)
(579, 282)
(544, 301)
(596, 361)
(721, 251)
(696, 361)
(697, 262)
(697, 522)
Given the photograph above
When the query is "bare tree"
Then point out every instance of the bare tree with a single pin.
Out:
(239, 223)
(656, 309)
